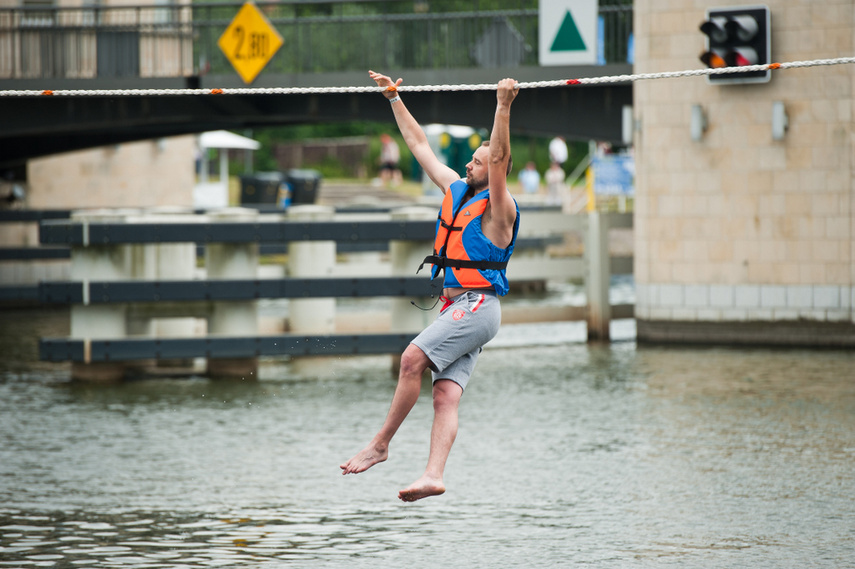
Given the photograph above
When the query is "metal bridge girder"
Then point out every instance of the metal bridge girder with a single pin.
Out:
(37, 126)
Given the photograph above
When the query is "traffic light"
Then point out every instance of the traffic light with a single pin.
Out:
(735, 37)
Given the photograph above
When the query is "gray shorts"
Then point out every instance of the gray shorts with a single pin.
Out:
(453, 341)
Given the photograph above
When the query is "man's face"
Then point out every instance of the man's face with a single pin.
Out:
(476, 170)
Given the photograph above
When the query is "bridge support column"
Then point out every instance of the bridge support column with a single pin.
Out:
(160, 261)
(174, 262)
(597, 279)
(99, 321)
(143, 258)
(406, 256)
(311, 259)
(233, 318)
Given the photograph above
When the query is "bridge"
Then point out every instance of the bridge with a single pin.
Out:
(327, 44)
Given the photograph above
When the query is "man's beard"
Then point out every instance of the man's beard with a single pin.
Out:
(476, 184)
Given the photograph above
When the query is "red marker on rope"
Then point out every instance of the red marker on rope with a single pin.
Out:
(393, 88)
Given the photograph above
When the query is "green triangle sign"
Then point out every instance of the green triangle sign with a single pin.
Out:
(568, 37)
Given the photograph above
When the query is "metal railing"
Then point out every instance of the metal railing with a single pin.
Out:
(178, 40)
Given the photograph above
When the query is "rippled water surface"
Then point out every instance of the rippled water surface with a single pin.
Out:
(568, 455)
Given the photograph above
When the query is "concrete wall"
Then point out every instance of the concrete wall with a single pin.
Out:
(141, 174)
(135, 175)
(738, 227)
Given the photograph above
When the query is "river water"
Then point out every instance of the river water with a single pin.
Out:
(603, 456)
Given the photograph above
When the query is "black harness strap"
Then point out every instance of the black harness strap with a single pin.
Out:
(443, 262)
(449, 227)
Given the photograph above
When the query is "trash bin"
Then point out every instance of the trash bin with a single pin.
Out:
(261, 187)
(304, 185)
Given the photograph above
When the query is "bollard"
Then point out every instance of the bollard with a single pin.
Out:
(171, 262)
(598, 276)
(311, 259)
(233, 318)
(142, 259)
(99, 321)
(406, 256)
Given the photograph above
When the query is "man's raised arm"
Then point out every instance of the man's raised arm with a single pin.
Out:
(503, 208)
(414, 136)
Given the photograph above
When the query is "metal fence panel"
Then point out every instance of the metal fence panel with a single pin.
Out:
(331, 36)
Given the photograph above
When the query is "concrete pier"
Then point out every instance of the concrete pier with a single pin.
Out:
(598, 276)
(232, 318)
(104, 263)
(308, 259)
(162, 262)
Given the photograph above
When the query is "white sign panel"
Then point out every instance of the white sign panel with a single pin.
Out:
(568, 32)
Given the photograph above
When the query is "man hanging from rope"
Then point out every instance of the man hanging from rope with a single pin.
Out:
(475, 237)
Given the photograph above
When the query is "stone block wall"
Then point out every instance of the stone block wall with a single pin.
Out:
(150, 173)
(738, 227)
(147, 174)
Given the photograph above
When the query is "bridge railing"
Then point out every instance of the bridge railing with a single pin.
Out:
(181, 40)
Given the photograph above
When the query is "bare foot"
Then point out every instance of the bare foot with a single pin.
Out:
(422, 488)
(365, 459)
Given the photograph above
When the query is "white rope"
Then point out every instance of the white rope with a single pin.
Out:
(423, 88)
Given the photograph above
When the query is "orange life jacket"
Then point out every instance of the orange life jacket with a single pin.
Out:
(468, 258)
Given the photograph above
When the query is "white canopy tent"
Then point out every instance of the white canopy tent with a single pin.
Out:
(216, 194)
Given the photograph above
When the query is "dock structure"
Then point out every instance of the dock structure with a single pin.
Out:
(137, 292)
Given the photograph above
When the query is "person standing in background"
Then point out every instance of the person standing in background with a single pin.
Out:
(554, 184)
(558, 150)
(390, 156)
(529, 178)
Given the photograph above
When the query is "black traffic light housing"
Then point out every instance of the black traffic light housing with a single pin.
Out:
(737, 36)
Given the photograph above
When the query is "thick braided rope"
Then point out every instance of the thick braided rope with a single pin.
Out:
(423, 88)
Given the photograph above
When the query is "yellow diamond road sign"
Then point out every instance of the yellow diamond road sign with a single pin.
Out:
(249, 42)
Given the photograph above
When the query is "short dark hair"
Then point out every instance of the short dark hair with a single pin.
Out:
(510, 159)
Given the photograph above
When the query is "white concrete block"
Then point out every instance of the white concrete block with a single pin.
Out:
(670, 295)
(685, 314)
(761, 314)
(734, 315)
(642, 312)
(773, 296)
(721, 296)
(747, 296)
(837, 315)
(785, 314)
(657, 313)
(826, 297)
(812, 314)
(641, 295)
(799, 296)
(697, 296)
(709, 315)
